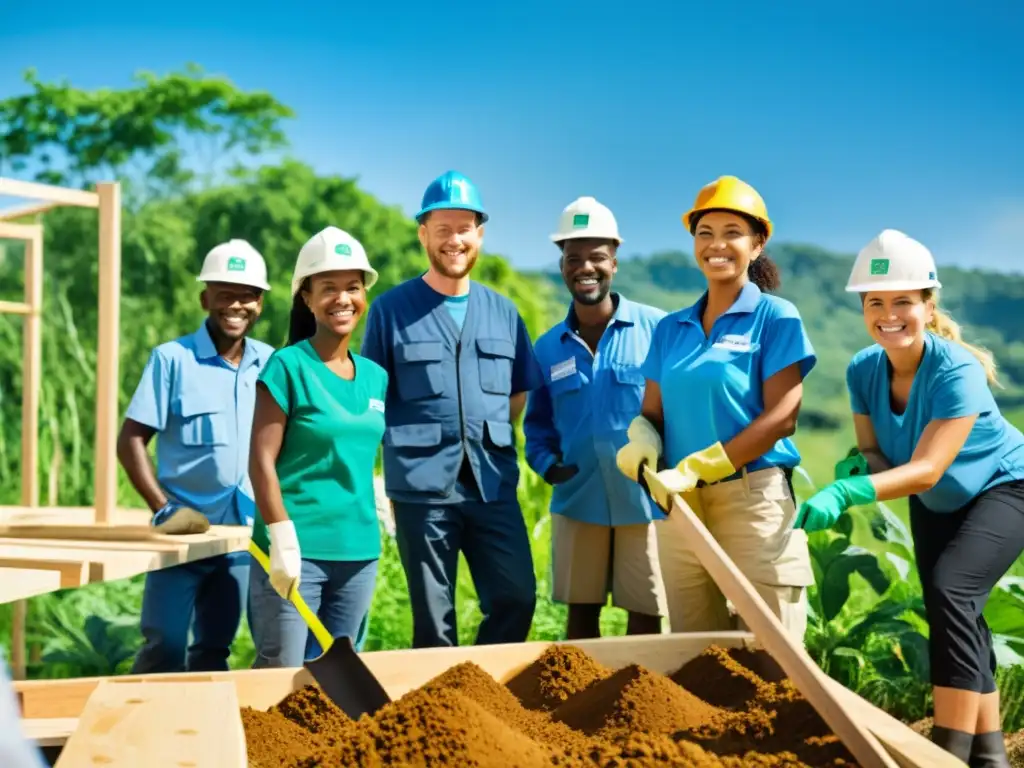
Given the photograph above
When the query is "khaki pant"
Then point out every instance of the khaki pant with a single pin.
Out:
(751, 518)
(588, 561)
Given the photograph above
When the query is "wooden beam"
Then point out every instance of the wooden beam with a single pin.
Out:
(107, 383)
(125, 725)
(48, 192)
(14, 308)
(20, 231)
(32, 369)
(19, 582)
(73, 572)
(30, 209)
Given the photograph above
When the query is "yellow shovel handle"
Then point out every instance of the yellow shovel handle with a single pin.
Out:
(315, 625)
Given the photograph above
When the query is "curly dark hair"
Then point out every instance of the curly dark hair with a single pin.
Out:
(762, 271)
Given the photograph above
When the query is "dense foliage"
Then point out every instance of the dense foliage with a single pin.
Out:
(183, 146)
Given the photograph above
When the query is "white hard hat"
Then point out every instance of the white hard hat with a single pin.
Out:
(585, 217)
(893, 261)
(235, 262)
(328, 250)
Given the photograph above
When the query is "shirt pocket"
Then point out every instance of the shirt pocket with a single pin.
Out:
(627, 388)
(418, 370)
(566, 389)
(495, 358)
(203, 421)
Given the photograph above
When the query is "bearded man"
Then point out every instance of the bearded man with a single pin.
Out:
(460, 362)
(603, 536)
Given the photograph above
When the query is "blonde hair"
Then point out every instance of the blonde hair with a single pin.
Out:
(946, 327)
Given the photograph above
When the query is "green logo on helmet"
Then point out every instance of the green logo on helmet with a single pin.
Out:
(342, 249)
(580, 220)
(879, 266)
(236, 264)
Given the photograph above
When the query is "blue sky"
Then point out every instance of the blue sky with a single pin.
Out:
(848, 117)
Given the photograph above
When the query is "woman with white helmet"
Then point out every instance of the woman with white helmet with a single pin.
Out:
(928, 428)
(724, 382)
(318, 423)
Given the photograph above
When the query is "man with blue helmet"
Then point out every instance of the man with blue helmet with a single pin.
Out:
(459, 362)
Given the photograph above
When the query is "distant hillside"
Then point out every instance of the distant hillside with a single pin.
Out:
(986, 304)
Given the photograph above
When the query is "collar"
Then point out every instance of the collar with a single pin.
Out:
(623, 314)
(206, 349)
(746, 302)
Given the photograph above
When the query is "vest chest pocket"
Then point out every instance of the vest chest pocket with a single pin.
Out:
(203, 423)
(418, 369)
(495, 357)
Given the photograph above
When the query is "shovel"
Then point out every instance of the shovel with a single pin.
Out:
(756, 614)
(339, 671)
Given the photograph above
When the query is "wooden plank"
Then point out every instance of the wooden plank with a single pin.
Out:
(32, 369)
(14, 308)
(126, 725)
(48, 192)
(19, 582)
(107, 356)
(793, 658)
(19, 231)
(51, 515)
(102, 565)
(71, 572)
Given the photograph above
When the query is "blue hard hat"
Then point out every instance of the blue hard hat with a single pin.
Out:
(452, 190)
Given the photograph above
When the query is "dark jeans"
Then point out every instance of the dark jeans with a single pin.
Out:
(960, 557)
(494, 540)
(206, 596)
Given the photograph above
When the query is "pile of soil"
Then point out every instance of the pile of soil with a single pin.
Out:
(724, 709)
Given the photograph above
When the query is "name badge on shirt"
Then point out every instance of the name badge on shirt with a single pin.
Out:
(561, 370)
(733, 342)
(377, 405)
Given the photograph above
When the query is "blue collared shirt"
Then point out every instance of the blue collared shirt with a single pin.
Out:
(201, 407)
(582, 412)
(712, 385)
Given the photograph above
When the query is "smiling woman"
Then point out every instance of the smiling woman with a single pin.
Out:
(318, 424)
(724, 386)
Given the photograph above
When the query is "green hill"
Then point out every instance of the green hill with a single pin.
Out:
(986, 304)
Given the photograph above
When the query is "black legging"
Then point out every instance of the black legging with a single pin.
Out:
(960, 557)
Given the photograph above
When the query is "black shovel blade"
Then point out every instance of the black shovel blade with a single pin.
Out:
(347, 681)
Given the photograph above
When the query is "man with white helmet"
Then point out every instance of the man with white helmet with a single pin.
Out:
(315, 491)
(928, 428)
(603, 537)
(197, 395)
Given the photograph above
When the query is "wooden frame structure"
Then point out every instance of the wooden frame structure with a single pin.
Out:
(59, 714)
(107, 201)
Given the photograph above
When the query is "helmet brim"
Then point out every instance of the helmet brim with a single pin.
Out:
(231, 277)
(443, 206)
(897, 285)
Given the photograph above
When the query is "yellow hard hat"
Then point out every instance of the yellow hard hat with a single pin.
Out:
(730, 194)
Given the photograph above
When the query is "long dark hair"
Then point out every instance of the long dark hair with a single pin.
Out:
(302, 324)
(762, 271)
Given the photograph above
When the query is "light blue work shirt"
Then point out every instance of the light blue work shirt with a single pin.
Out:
(950, 383)
(201, 407)
(449, 436)
(712, 385)
(582, 412)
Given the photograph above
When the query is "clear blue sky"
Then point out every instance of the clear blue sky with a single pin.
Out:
(848, 117)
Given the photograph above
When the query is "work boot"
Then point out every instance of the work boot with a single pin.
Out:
(989, 751)
(957, 743)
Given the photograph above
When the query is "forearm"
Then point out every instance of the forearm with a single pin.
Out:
(516, 403)
(134, 457)
(914, 477)
(876, 461)
(266, 487)
(759, 436)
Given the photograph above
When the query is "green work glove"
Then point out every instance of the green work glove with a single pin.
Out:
(853, 464)
(823, 508)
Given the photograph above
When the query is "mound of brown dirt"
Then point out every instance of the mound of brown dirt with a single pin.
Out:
(564, 710)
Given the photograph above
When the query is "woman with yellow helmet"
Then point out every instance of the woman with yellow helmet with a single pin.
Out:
(724, 385)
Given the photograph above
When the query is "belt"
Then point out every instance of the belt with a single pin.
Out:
(739, 473)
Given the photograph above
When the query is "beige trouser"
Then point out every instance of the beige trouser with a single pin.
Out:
(588, 561)
(751, 518)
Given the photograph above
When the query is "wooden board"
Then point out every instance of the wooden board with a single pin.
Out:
(50, 707)
(21, 582)
(126, 725)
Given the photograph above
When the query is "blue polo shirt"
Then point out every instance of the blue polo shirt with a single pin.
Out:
(201, 407)
(712, 385)
(950, 383)
(583, 410)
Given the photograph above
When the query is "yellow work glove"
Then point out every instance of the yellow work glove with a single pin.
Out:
(710, 465)
(644, 445)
